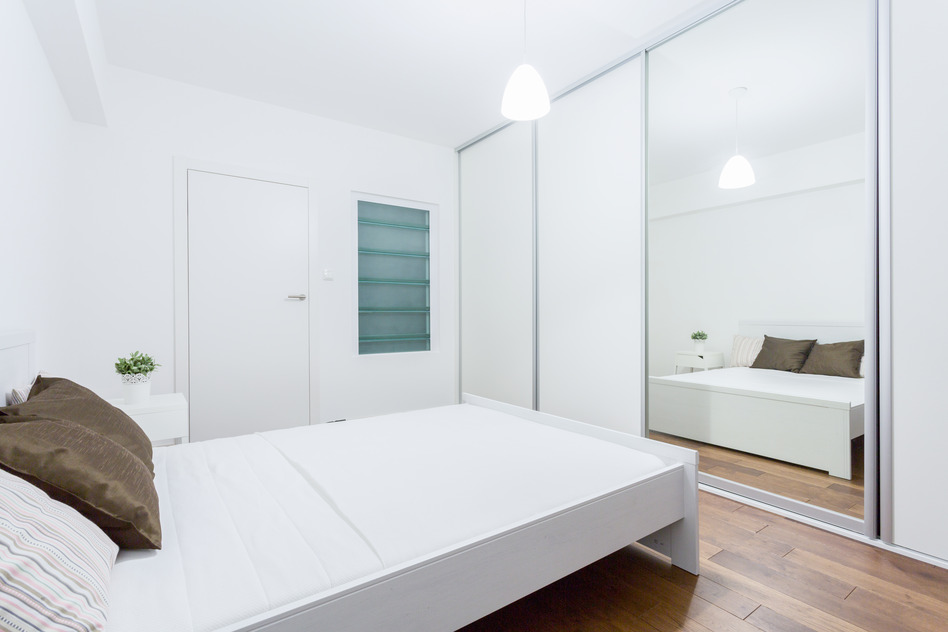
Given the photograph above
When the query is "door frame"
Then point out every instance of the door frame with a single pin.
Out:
(181, 166)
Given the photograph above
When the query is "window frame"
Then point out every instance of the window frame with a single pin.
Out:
(434, 265)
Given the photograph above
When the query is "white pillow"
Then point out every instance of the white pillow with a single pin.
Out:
(19, 395)
(745, 350)
(55, 565)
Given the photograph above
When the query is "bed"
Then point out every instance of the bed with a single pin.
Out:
(426, 520)
(807, 420)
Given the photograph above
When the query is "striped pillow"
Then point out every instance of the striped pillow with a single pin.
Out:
(745, 350)
(54, 563)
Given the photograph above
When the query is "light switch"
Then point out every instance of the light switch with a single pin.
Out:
(327, 274)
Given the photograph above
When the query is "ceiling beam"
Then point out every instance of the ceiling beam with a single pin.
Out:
(59, 29)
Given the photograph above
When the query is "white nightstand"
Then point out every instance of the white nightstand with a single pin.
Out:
(706, 360)
(164, 418)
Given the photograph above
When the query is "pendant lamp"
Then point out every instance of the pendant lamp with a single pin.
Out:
(737, 172)
(525, 97)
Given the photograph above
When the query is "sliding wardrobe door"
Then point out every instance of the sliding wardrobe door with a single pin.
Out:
(919, 286)
(589, 252)
(497, 348)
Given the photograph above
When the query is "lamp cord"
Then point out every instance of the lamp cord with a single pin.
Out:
(524, 31)
(736, 99)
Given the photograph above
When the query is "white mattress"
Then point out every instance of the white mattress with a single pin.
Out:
(744, 380)
(255, 522)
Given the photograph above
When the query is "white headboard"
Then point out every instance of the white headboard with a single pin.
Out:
(17, 361)
(802, 330)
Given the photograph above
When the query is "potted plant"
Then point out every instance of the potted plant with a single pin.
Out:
(699, 338)
(136, 376)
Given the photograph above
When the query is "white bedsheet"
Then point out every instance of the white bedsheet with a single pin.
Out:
(782, 383)
(258, 521)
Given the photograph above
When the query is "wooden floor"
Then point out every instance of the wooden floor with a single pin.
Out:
(786, 479)
(759, 572)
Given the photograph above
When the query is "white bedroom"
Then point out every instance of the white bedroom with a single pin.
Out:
(406, 346)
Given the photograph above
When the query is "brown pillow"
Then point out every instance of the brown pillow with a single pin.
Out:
(781, 354)
(87, 471)
(837, 358)
(59, 398)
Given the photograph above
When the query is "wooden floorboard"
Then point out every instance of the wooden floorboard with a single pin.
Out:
(786, 479)
(759, 572)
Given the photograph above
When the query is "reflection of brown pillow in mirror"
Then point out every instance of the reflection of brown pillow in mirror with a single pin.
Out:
(837, 358)
(781, 354)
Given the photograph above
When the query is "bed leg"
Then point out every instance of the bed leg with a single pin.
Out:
(684, 533)
(679, 540)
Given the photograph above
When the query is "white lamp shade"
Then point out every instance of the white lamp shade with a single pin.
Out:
(525, 97)
(737, 173)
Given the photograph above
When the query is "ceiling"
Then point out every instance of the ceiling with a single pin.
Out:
(804, 63)
(433, 70)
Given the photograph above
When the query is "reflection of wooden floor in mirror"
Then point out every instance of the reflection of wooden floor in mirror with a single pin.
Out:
(793, 481)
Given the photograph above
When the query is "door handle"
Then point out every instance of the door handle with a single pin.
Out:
(299, 297)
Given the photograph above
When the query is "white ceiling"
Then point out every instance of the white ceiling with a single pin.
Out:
(433, 70)
(804, 62)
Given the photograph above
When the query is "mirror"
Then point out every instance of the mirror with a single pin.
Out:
(787, 257)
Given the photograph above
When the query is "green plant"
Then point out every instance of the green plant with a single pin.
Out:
(136, 363)
(699, 335)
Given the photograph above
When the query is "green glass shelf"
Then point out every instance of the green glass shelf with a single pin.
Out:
(387, 310)
(367, 222)
(394, 338)
(420, 255)
(394, 282)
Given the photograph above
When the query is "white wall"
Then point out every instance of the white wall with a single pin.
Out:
(919, 137)
(93, 208)
(36, 132)
(589, 166)
(791, 247)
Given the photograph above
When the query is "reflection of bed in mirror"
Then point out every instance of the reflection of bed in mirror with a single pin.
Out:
(808, 420)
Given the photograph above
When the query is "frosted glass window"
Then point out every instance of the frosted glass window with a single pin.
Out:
(394, 279)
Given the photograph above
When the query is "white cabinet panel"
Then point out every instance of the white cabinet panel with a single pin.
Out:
(919, 284)
(590, 253)
(497, 266)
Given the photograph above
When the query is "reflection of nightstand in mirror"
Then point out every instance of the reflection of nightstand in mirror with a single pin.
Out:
(164, 418)
(692, 360)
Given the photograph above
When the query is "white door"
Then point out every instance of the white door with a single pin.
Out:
(248, 310)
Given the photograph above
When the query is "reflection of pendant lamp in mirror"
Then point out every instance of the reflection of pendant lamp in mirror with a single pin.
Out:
(525, 97)
(737, 172)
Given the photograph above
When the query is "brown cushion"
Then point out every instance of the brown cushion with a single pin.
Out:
(59, 398)
(781, 354)
(837, 358)
(87, 471)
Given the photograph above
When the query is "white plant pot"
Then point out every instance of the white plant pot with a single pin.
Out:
(136, 388)
(699, 346)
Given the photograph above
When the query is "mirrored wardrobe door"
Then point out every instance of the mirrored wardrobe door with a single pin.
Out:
(759, 250)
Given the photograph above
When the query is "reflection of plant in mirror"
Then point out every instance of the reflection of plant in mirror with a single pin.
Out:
(699, 335)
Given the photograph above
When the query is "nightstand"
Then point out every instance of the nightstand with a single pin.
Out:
(164, 418)
(706, 360)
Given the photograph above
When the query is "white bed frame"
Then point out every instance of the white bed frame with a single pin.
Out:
(810, 432)
(449, 589)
